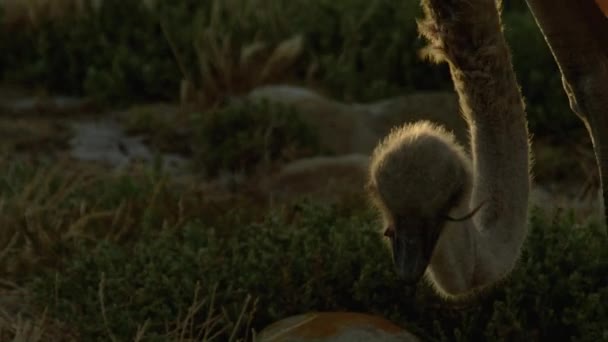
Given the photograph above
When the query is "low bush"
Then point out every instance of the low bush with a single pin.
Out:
(223, 280)
(246, 135)
(137, 257)
(355, 50)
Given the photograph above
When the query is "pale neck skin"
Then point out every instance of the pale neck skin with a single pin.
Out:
(484, 249)
(461, 264)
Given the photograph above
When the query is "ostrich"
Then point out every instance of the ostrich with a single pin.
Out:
(462, 220)
(419, 176)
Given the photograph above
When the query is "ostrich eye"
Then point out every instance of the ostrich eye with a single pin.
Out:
(389, 232)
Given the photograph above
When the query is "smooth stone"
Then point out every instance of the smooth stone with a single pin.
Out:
(335, 327)
(324, 178)
(346, 128)
(105, 141)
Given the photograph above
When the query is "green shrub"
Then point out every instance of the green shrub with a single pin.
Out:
(355, 50)
(116, 53)
(245, 134)
(166, 128)
(44, 208)
(560, 288)
(317, 260)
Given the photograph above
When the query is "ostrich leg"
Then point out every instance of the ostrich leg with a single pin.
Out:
(577, 34)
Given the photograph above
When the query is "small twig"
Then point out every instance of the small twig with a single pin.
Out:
(210, 312)
(180, 63)
(141, 331)
(238, 321)
(102, 283)
(9, 247)
(250, 321)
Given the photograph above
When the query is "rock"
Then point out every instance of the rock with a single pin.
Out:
(351, 131)
(104, 141)
(341, 129)
(335, 327)
(357, 128)
(322, 178)
(438, 107)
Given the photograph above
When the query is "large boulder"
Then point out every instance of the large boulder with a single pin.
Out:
(340, 127)
(357, 128)
(438, 107)
(324, 178)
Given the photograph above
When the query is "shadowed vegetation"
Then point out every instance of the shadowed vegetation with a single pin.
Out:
(250, 134)
(87, 254)
(129, 256)
(354, 50)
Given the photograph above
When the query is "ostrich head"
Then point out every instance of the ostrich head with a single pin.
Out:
(419, 176)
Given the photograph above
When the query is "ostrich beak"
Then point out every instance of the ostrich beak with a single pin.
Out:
(412, 252)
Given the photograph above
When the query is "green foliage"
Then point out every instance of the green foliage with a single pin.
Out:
(114, 53)
(309, 258)
(123, 256)
(368, 50)
(560, 288)
(355, 49)
(165, 127)
(155, 279)
(244, 134)
(44, 208)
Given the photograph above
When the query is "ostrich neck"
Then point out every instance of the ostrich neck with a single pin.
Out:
(469, 37)
(492, 104)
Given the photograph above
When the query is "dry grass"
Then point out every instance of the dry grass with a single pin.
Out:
(22, 321)
(227, 66)
(19, 14)
(36, 135)
(47, 211)
(57, 219)
(36, 216)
